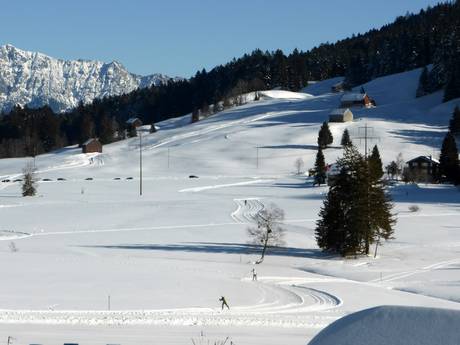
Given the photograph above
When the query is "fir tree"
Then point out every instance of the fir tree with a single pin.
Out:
(454, 124)
(29, 182)
(375, 164)
(423, 83)
(346, 141)
(132, 132)
(195, 116)
(324, 136)
(357, 210)
(452, 89)
(320, 168)
(448, 160)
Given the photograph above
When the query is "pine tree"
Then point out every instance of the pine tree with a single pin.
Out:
(195, 116)
(454, 124)
(132, 131)
(357, 210)
(375, 164)
(29, 182)
(346, 141)
(423, 83)
(448, 159)
(320, 168)
(324, 136)
(452, 89)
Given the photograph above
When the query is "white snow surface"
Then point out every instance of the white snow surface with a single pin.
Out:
(166, 257)
(394, 325)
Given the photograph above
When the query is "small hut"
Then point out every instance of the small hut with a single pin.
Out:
(356, 100)
(341, 115)
(134, 122)
(91, 145)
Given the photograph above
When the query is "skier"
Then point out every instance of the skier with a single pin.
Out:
(254, 274)
(224, 303)
(245, 202)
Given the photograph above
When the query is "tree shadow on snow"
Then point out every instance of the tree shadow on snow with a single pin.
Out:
(225, 248)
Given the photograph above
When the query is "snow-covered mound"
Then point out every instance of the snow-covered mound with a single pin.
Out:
(393, 325)
(281, 94)
(36, 79)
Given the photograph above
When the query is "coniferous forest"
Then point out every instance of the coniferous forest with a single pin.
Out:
(430, 38)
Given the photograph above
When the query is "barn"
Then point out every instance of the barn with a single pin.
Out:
(134, 122)
(341, 115)
(422, 169)
(91, 145)
(356, 100)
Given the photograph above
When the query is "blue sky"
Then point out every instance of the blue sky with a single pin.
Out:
(178, 37)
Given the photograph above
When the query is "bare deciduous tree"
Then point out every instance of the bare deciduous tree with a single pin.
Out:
(269, 230)
(299, 164)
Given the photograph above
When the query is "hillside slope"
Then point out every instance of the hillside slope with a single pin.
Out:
(165, 257)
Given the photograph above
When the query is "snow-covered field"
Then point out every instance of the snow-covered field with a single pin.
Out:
(165, 258)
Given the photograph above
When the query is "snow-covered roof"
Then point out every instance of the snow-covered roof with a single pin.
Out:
(89, 141)
(339, 111)
(131, 120)
(353, 97)
(427, 159)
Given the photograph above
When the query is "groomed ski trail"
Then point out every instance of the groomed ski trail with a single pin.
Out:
(246, 210)
(285, 302)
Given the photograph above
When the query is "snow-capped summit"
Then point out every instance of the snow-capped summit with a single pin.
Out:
(35, 79)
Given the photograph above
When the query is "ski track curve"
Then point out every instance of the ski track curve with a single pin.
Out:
(405, 274)
(286, 302)
(246, 210)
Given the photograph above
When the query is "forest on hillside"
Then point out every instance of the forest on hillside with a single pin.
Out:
(429, 38)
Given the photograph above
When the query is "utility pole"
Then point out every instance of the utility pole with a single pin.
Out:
(366, 137)
(140, 162)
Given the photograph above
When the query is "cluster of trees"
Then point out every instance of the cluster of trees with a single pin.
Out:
(415, 40)
(357, 210)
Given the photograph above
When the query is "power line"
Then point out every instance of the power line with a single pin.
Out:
(366, 137)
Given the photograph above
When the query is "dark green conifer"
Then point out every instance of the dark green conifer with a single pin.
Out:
(320, 168)
(448, 159)
(324, 136)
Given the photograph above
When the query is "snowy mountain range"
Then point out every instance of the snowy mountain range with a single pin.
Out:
(35, 79)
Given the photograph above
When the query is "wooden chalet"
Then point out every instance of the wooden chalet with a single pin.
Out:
(91, 145)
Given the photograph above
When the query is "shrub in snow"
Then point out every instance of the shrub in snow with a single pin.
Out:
(299, 163)
(13, 247)
(414, 208)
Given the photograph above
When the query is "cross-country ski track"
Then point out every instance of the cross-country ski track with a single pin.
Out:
(285, 302)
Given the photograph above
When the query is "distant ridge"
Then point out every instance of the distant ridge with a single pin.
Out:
(35, 79)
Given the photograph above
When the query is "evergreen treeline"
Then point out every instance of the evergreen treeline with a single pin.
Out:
(414, 40)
